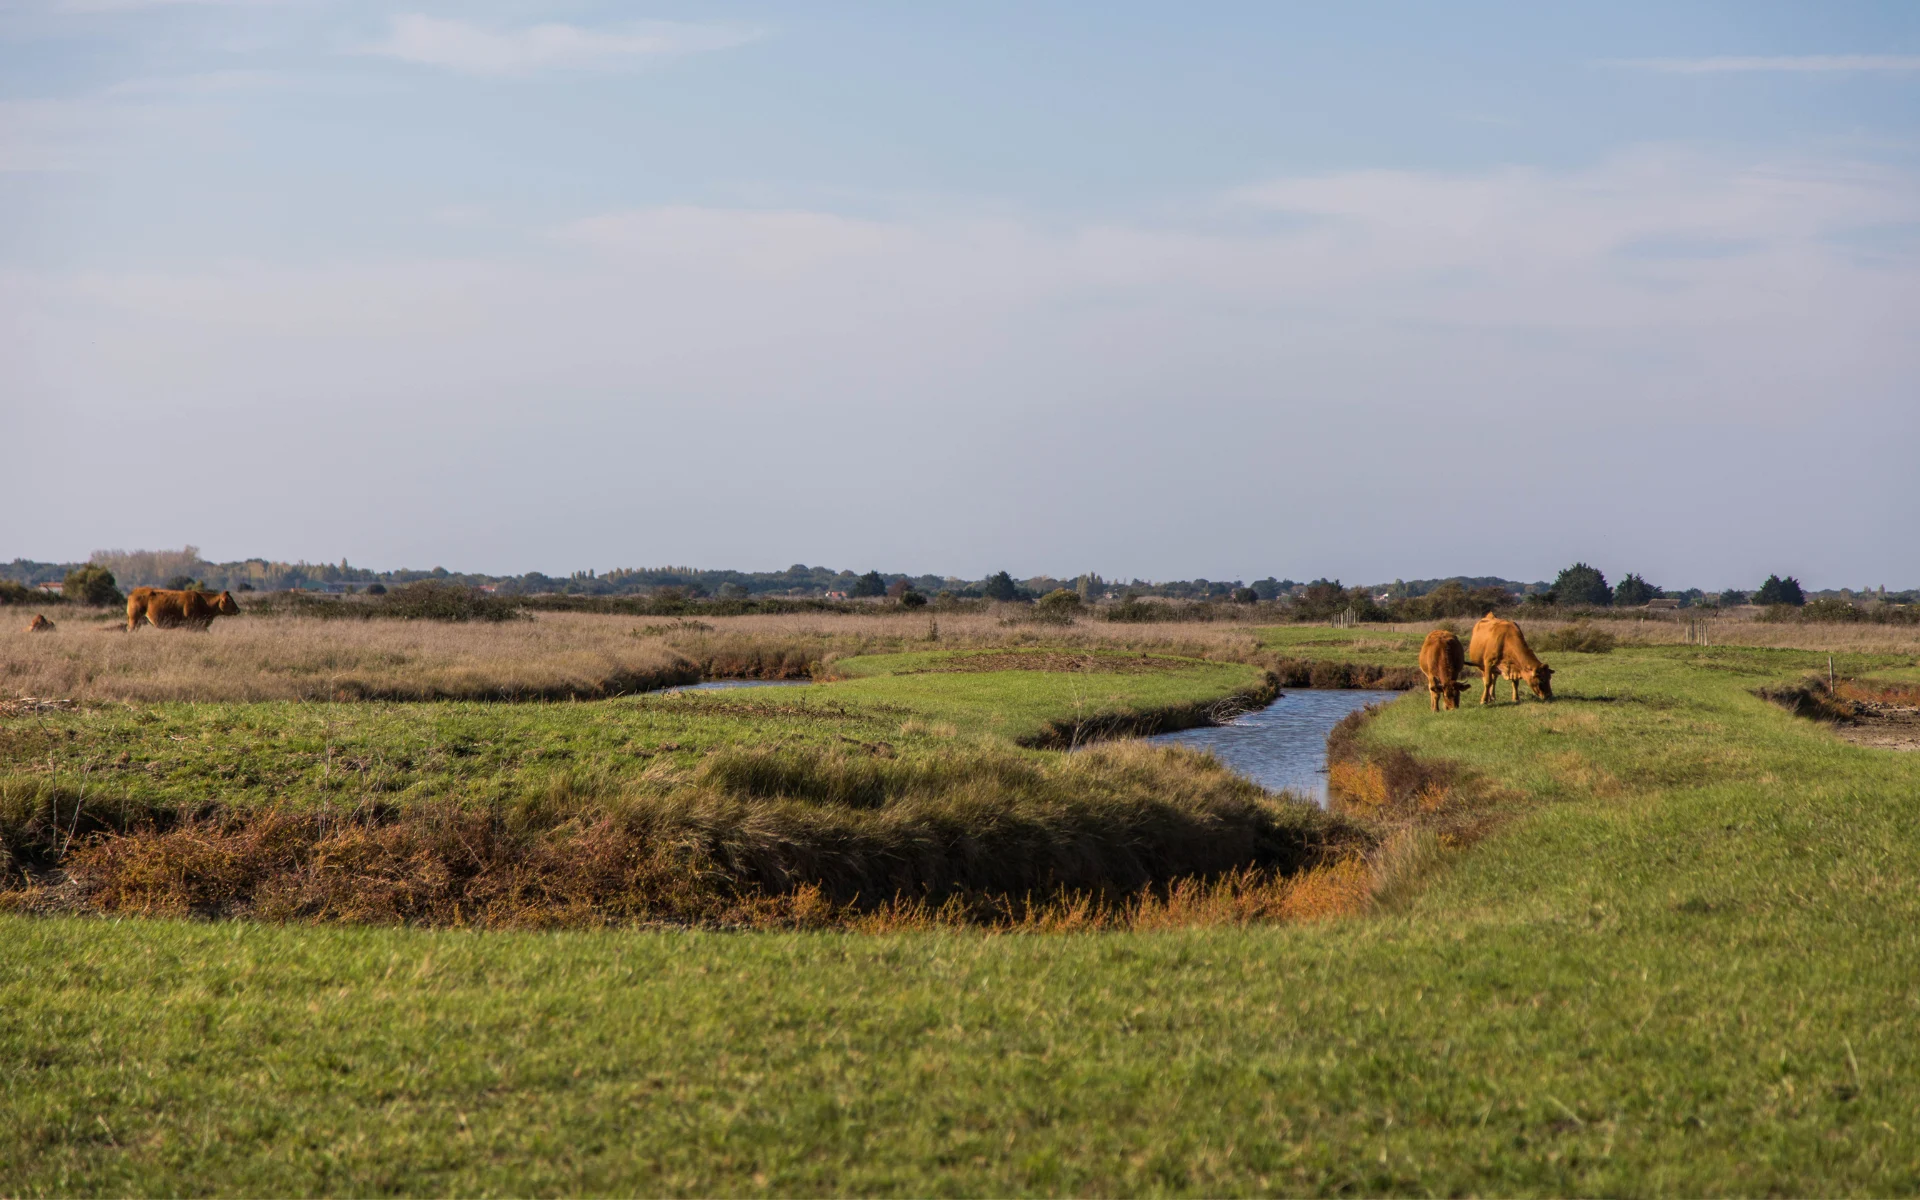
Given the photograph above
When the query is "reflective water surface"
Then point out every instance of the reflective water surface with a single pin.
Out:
(1283, 746)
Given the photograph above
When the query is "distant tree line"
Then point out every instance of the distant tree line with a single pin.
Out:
(1578, 586)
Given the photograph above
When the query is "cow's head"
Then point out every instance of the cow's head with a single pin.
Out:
(225, 606)
(1540, 679)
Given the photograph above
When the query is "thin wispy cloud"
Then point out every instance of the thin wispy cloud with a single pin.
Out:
(479, 50)
(1802, 64)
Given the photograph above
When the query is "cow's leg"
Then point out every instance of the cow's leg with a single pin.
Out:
(1486, 683)
(1515, 681)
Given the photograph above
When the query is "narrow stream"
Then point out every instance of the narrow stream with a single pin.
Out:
(1284, 745)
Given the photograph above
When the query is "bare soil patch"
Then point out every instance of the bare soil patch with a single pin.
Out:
(1883, 726)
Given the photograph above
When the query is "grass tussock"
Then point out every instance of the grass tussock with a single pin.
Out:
(1579, 637)
(1415, 806)
(758, 839)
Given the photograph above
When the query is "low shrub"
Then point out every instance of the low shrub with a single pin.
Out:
(1057, 607)
(92, 585)
(1830, 608)
(20, 593)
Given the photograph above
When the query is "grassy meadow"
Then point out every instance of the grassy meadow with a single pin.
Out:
(1671, 947)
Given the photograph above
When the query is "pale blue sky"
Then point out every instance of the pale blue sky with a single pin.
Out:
(1160, 290)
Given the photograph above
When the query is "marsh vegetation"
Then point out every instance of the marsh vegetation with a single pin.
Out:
(1616, 943)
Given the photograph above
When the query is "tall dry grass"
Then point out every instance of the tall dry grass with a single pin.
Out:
(552, 656)
(591, 655)
(293, 658)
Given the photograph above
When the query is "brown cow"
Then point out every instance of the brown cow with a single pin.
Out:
(168, 610)
(1499, 649)
(1441, 661)
(39, 624)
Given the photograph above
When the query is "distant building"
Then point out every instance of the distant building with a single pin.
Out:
(51, 585)
(836, 596)
(1664, 603)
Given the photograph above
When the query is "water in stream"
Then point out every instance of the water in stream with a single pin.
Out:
(1280, 747)
(1284, 745)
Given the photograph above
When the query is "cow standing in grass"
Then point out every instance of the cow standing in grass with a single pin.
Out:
(1441, 661)
(1500, 650)
(165, 609)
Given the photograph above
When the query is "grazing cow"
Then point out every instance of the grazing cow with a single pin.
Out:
(1441, 661)
(39, 624)
(169, 610)
(1499, 649)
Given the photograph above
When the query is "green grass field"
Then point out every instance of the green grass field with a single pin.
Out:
(1687, 963)
(177, 755)
(1376, 647)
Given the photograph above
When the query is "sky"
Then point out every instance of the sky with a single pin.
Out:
(1369, 291)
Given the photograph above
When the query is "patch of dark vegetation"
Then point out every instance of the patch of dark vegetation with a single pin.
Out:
(1812, 698)
(1327, 673)
(755, 838)
(1834, 610)
(428, 600)
(669, 602)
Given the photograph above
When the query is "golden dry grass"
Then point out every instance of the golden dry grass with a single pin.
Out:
(560, 655)
(554, 655)
(91, 657)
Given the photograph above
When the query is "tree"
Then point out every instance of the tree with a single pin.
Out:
(1780, 591)
(912, 599)
(91, 585)
(1732, 598)
(870, 584)
(898, 588)
(1582, 584)
(1633, 592)
(1000, 586)
(1245, 595)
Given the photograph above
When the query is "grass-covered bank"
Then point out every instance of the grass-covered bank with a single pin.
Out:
(904, 789)
(1685, 964)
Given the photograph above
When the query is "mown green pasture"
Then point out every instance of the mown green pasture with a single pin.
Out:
(1687, 963)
